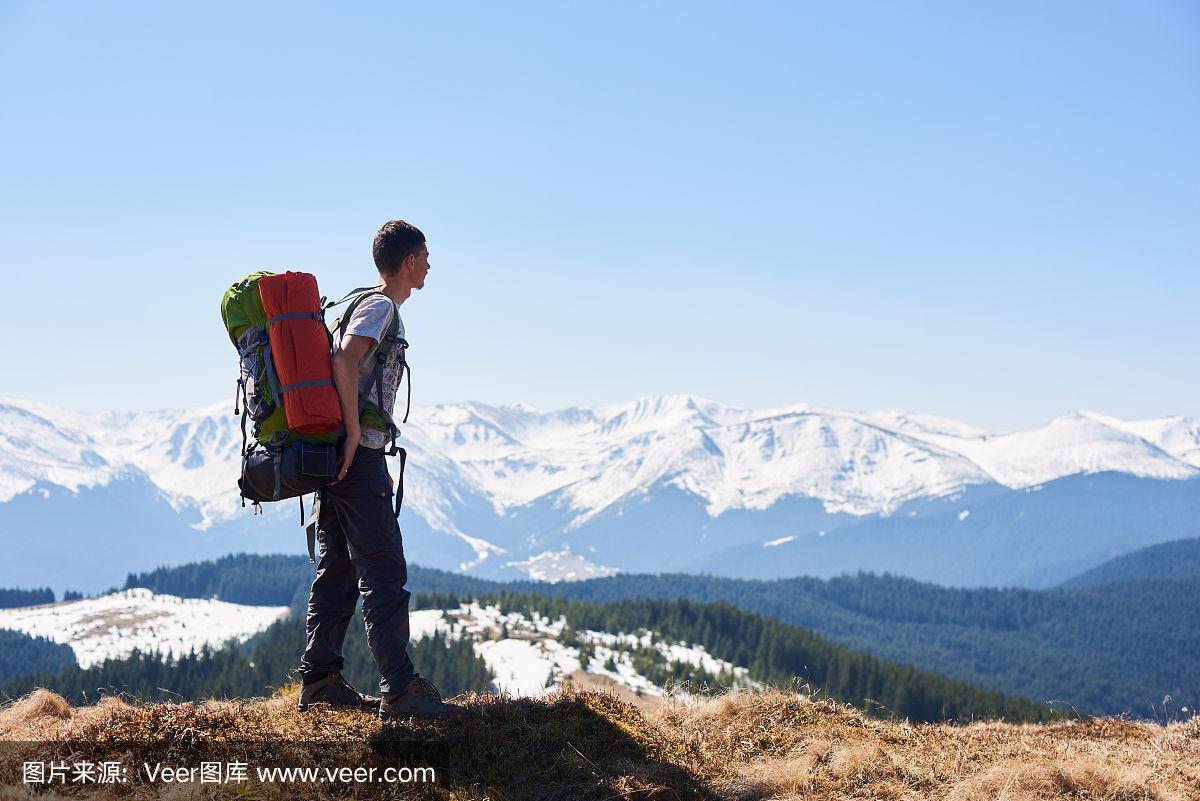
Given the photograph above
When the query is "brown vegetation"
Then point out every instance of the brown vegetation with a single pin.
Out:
(577, 744)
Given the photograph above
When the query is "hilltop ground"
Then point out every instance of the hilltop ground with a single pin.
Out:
(578, 744)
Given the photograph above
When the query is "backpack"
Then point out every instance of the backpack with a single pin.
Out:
(285, 385)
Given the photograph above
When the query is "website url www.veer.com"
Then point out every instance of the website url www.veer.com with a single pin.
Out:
(360, 775)
(236, 772)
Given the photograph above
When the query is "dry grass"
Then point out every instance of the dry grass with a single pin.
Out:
(579, 744)
(775, 746)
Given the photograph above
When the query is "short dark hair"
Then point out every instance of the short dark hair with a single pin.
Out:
(395, 241)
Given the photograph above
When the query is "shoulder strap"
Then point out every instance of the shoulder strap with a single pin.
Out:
(392, 338)
(390, 341)
(356, 291)
(339, 325)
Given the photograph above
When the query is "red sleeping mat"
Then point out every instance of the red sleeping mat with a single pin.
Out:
(300, 351)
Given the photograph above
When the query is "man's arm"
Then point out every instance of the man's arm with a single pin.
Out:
(345, 377)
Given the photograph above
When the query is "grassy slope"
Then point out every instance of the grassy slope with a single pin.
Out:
(585, 744)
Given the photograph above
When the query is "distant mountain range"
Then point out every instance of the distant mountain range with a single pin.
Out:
(671, 483)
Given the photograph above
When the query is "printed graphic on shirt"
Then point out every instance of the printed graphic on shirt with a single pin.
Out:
(392, 373)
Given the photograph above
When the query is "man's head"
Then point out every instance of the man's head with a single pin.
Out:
(401, 254)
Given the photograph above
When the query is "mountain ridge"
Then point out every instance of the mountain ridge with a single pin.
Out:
(1167, 447)
(504, 489)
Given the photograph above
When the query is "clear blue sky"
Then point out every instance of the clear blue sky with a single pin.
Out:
(983, 210)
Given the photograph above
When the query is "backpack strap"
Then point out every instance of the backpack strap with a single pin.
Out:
(387, 343)
(362, 290)
(400, 486)
(310, 530)
(282, 435)
(295, 316)
(358, 295)
(245, 410)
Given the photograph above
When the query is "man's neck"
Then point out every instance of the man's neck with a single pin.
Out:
(396, 290)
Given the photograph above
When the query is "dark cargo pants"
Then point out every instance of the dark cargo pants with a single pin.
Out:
(361, 553)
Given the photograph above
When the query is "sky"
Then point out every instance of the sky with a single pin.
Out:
(988, 211)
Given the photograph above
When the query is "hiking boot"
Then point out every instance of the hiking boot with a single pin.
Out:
(335, 691)
(420, 698)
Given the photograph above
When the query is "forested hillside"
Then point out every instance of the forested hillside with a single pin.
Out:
(21, 654)
(774, 652)
(1177, 559)
(17, 597)
(783, 655)
(1084, 646)
(1113, 649)
(274, 579)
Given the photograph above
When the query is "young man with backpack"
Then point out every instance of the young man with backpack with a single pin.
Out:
(360, 542)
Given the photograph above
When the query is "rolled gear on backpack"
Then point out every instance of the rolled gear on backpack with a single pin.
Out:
(300, 346)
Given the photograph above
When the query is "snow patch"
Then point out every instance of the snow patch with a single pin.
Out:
(112, 626)
(556, 566)
(526, 658)
(483, 549)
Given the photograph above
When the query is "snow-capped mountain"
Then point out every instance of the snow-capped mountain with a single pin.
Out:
(660, 483)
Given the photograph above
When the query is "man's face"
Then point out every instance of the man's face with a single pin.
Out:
(420, 267)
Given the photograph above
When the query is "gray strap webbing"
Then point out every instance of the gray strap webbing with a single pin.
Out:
(342, 322)
(245, 411)
(400, 486)
(408, 402)
(379, 386)
(310, 531)
(278, 460)
(269, 369)
(350, 294)
(306, 384)
(295, 316)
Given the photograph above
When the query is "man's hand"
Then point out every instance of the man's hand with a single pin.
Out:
(345, 378)
(346, 458)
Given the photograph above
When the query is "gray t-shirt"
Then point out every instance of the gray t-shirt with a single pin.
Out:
(371, 319)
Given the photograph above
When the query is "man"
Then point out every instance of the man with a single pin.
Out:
(361, 547)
